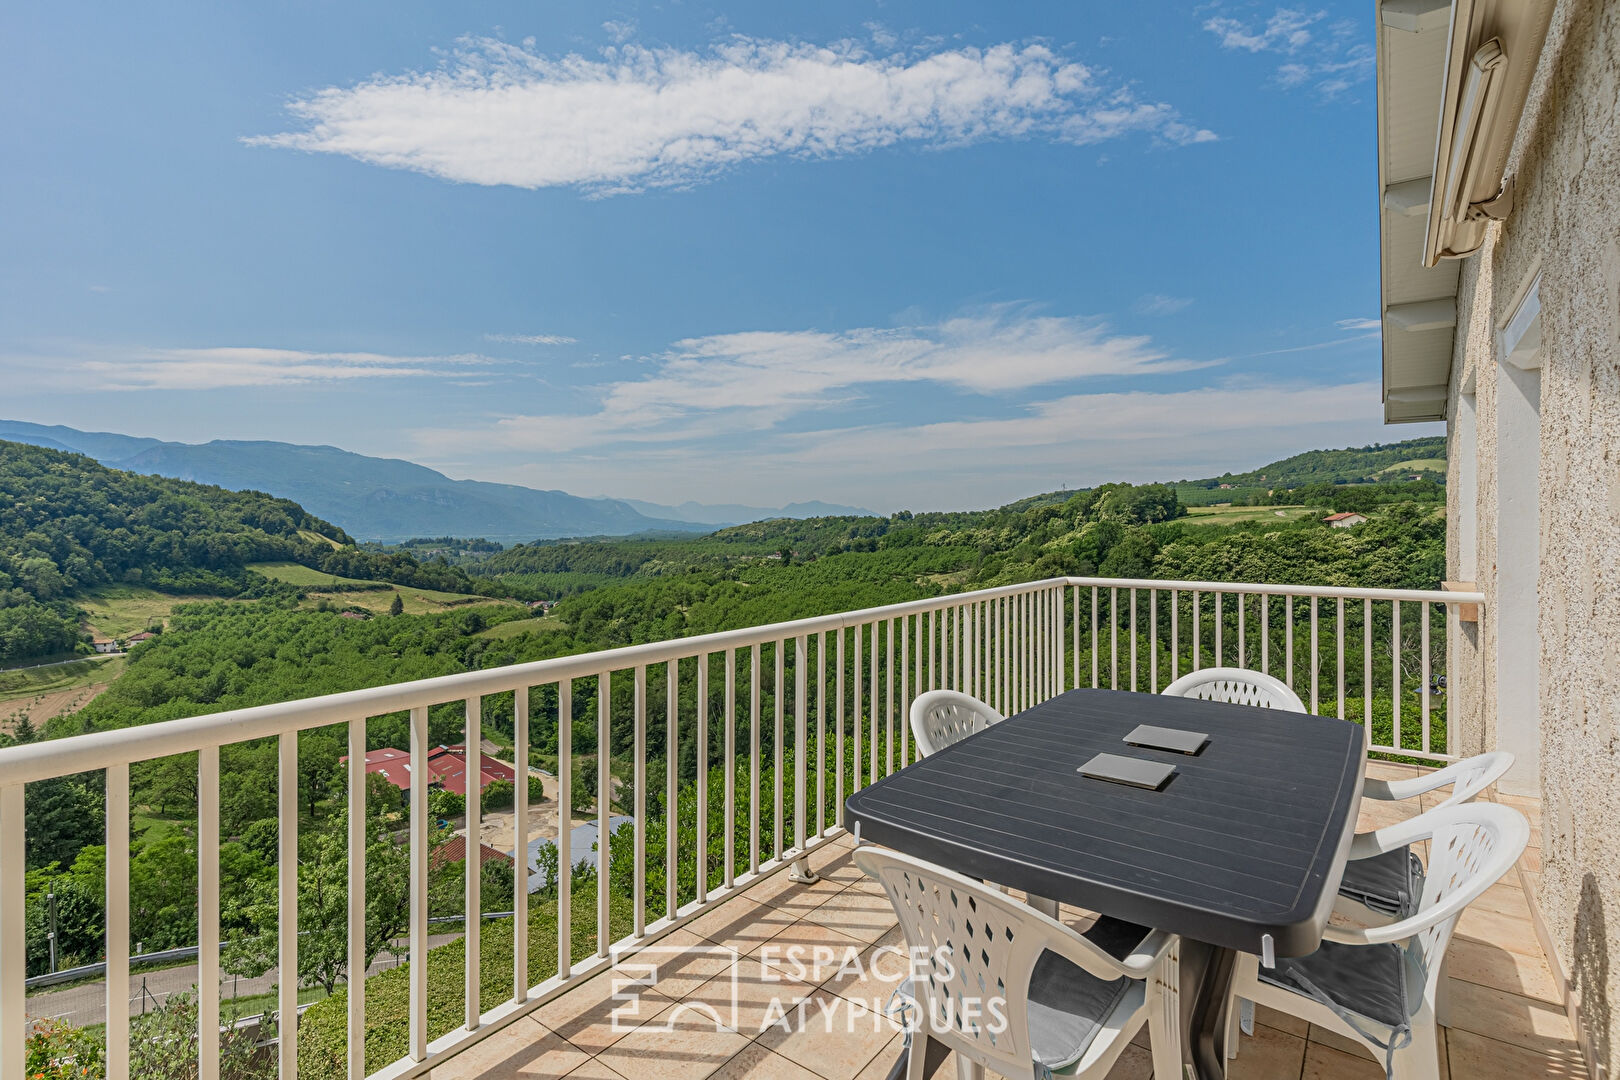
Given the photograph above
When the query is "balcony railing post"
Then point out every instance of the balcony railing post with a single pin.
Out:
(672, 779)
(520, 845)
(208, 913)
(286, 923)
(604, 810)
(117, 985)
(13, 934)
(473, 871)
(358, 812)
(728, 798)
(638, 827)
(565, 838)
(419, 880)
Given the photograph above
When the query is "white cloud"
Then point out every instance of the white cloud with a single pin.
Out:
(1074, 439)
(497, 113)
(1359, 324)
(531, 339)
(1288, 30)
(226, 367)
(752, 381)
(1329, 59)
(1160, 304)
(620, 30)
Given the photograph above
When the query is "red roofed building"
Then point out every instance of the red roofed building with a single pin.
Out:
(454, 850)
(448, 767)
(392, 765)
(1345, 520)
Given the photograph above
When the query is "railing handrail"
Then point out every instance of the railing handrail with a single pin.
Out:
(97, 750)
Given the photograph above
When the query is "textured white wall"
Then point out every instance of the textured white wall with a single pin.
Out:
(1566, 226)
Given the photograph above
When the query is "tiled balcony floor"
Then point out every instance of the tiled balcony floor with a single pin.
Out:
(1508, 1019)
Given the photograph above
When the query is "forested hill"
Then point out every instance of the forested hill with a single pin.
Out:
(68, 525)
(1377, 463)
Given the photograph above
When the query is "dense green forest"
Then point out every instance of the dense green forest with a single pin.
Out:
(70, 525)
(79, 526)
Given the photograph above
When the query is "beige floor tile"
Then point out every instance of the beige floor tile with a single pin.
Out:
(594, 1070)
(747, 999)
(1515, 934)
(837, 865)
(1268, 1053)
(880, 970)
(1475, 1057)
(1534, 1025)
(878, 1068)
(1273, 1018)
(591, 1018)
(755, 1062)
(1390, 770)
(1531, 860)
(1323, 1062)
(833, 1037)
(858, 914)
(810, 952)
(1136, 1063)
(522, 1051)
(1342, 1043)
(779, 885)
(718, 923)
(1505, 897)
(751, 927)
(679, 1044)
(1502, 969)
(1377, 814)
(683, 962)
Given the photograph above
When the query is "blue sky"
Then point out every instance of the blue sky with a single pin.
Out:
(903, 255)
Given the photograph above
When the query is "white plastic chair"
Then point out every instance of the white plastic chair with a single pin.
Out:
(1239, 686)
(942, 717)
(1013, 990)
(1387, 883)
(1360, 981)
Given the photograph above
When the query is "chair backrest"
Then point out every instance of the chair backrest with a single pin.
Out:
(1475, 774)
(972, 952)
(942, 717)
(1471, 846)
(1239, 686)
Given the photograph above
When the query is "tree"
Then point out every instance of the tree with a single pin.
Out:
(317, 767)
(397, 606)
(323, 886)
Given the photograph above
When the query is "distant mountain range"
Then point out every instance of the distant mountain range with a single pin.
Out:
(718, 514)
(390, 500)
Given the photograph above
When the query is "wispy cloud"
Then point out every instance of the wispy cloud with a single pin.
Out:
(1325, 56)
(620, 30)
(1073, 439)
(756, 380)
(531, 339)
(1160, 304)
(1359, 324)
(637, 118)
(103, 368)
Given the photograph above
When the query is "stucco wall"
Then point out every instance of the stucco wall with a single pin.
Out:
(1566, 221)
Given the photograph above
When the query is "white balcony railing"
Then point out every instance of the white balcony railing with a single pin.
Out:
(836, 691)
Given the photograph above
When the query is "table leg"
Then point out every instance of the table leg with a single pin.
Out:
(1208, 1024)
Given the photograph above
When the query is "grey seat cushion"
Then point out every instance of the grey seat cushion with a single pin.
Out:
(1369, 981)
(1067, 1006)
(1389, 884)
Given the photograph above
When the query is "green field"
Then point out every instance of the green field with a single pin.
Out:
(1231, 515)
(120, 610)
(352, 592)
(57, 678)
(1428, 464)
(538, 625)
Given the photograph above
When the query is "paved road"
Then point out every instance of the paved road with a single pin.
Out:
(87, 1002)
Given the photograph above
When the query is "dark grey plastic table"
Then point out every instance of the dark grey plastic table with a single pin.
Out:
(1247, 841)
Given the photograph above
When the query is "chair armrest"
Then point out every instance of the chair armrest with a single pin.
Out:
(1486, 773)
(1087, 954)
(1402, 834)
